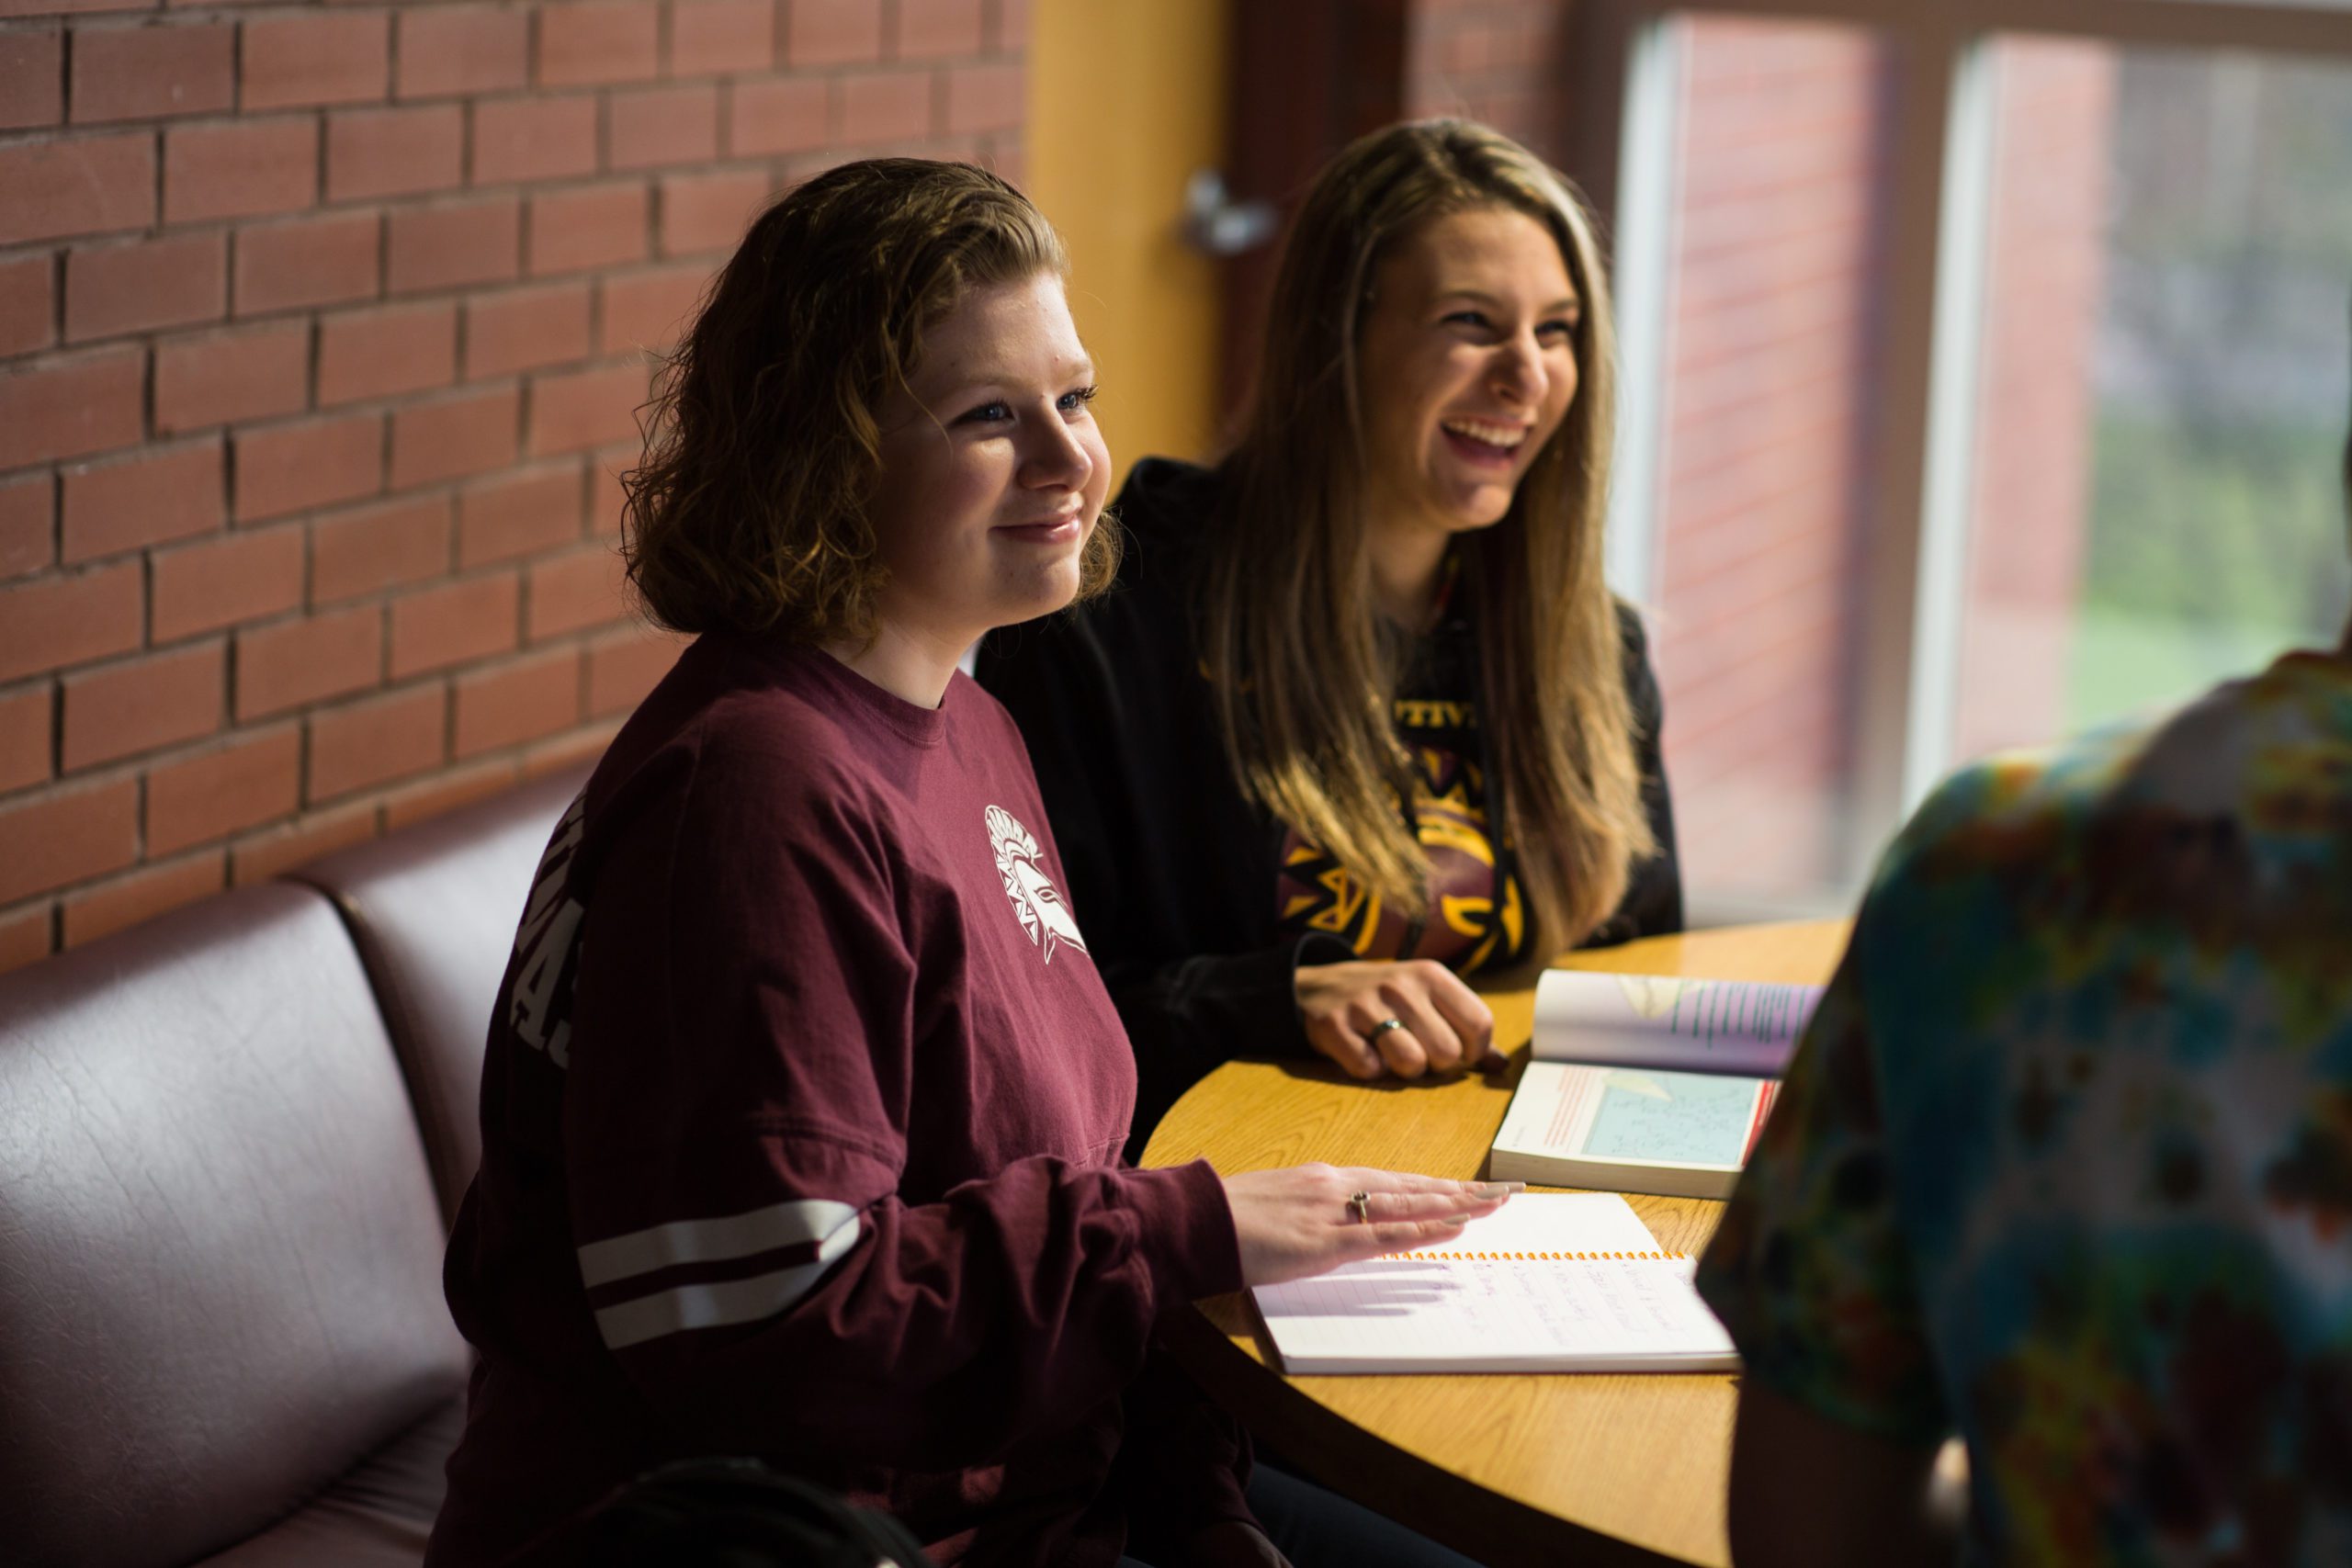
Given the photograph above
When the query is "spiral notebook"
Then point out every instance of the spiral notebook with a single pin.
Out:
(1554, 1282)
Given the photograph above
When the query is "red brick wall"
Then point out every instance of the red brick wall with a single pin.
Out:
(321, 331)
(1499, 61)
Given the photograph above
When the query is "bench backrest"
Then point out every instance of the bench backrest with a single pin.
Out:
(433, 911)
(219, 1243)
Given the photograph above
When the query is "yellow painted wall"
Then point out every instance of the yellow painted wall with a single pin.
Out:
(1126, 99)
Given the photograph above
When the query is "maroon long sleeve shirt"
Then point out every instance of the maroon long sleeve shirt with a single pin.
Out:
(801, 1116)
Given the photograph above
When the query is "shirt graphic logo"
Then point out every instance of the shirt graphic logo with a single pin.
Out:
(1041, 911)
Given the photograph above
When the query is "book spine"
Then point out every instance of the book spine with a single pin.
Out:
(1769, 1091)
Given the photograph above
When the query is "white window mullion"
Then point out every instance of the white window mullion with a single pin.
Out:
(1947, 490)
(1644, 251)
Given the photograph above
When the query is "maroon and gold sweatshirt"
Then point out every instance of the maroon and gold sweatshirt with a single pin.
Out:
(801, 1117)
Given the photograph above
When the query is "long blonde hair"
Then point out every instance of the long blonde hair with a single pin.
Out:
(1303, 677)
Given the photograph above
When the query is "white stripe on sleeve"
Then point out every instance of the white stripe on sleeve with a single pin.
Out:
(716, 1305)
(792, 1222)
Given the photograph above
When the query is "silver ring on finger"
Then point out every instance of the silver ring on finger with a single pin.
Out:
(1359, 1207)
(1384, 1026)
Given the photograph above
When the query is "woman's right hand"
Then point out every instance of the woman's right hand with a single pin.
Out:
(1299, 1220)
(1441, 1023)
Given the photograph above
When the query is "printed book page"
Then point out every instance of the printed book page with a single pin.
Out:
(1744, 1027)
(1554, 1282)
(1633, 1113)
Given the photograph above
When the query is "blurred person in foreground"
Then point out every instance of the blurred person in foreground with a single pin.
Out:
(2064, 1167)
(1360, 720)
(803, 1102)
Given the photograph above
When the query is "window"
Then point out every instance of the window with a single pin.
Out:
(1985, 371)
(1774, 293)
(2161, 404)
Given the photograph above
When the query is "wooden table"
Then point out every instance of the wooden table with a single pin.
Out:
(1561, 1470)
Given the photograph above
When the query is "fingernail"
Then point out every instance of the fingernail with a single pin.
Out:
(1500, 1188)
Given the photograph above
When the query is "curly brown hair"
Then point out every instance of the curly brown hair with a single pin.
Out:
(748, 513)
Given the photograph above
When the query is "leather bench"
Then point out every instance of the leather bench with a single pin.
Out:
(432, 912)
(230, 1143)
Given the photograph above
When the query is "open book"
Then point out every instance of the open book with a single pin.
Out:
(1744, 1027)
(1554, 1282)
(1648, 1083)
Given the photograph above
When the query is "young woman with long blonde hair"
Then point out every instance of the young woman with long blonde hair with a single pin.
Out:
(1360, 717)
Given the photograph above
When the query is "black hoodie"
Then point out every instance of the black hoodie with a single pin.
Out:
(1173, 872)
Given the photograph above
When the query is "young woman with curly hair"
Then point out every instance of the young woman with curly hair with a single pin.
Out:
(1360, 717)
(803, 1101)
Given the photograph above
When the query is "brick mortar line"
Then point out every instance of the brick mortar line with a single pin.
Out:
(392, 30)
(530, 91)
(387, 207)
(383, 409)
(56, 734)
(139, 821)
(138, 770)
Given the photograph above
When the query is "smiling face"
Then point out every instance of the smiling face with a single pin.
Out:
(994, 472)
(1466, 362)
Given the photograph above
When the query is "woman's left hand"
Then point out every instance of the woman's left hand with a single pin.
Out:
(1304, 1219)
(1409, 1017)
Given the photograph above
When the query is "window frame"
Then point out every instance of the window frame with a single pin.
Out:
(1915, 580)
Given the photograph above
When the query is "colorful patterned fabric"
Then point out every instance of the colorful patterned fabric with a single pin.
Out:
(2064, 1164)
